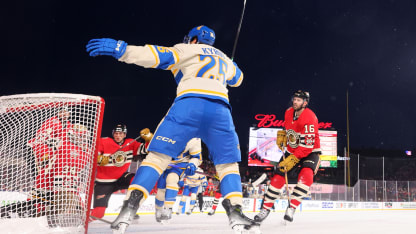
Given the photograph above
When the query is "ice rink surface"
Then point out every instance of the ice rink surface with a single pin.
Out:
(311, 222)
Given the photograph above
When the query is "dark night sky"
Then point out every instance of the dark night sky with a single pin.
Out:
(324, 47)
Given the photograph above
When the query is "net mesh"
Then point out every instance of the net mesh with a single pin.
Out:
(47, 149)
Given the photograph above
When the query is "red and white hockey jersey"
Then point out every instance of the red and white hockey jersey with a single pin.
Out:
(63, 168)
(119, 162)
(302, 133)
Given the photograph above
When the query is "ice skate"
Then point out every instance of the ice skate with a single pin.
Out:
(262, 215)
(289, 214)
(127, 213)
(166, 215)
(238, 221)
(189, 212)
(158, 215)
(136, 219)
(211, 212)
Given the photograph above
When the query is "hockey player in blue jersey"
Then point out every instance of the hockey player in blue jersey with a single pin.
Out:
(201, 109)
(191, 186)
(167, 185)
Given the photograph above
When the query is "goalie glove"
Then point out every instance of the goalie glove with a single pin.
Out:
(289, 162)
(146, 135)
(106, 46)
(281, 139)
(103, 160)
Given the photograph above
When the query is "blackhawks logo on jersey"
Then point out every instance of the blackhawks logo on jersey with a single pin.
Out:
(119, 158)
(292, 138)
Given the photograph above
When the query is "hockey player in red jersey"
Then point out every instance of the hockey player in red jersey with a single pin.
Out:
(50, 136)
(112, 171)
(58, 178)
(302, 144)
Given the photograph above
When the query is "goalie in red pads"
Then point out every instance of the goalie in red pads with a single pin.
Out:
(301, 140)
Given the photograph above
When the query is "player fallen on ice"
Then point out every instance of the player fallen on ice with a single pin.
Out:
(201, 109)
(301, 140)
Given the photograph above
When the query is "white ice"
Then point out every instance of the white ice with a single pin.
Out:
(308, 222)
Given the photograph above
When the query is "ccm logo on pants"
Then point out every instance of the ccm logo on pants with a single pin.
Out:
(168, 140)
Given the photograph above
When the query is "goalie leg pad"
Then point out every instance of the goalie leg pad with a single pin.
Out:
(230, 182)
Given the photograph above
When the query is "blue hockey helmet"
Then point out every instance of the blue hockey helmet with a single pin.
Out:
(204, 35)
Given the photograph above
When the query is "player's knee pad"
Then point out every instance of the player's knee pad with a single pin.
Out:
(172, 181)
(278, 181)
(312, 161)
(306, 176)
(193, 196)
(230, 182)
(157, 160)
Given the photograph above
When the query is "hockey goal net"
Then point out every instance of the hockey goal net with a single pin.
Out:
(47, 161)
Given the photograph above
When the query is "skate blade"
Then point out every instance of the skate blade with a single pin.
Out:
(164, 222)
(247, 229)
(121, 228)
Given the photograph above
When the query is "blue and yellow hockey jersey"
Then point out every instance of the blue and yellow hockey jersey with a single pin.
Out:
(199, 70)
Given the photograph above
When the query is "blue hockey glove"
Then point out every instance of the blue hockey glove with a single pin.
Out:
(181, 183)
(190, 169)
(204, 185)
(106, 46)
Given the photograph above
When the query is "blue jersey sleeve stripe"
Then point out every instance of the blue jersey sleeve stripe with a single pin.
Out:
(167, 59)
(178, 77)
(236, 79)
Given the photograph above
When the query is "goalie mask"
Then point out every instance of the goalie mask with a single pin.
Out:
(204, 35)
(79, 135)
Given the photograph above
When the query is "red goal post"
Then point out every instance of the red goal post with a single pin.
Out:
(48, 154)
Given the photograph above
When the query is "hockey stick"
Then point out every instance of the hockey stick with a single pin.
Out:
(135, 139)
(102, 220)
(286, 182)
(197, 172)
(259, 180)
(238, 31)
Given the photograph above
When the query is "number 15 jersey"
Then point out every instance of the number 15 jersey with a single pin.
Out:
(199, 70)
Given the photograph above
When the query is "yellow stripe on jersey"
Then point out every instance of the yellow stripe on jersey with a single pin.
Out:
(174, 72)
(203, 92)
(140, 188)
(156, 56)
(228, 173)
(176, 57)
(196, 152)
(233, 194)
(152, 165)
(172, 188)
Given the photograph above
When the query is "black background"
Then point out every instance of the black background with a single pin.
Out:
(367, 48)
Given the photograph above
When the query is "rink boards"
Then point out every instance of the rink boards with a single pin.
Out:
(254, 205)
